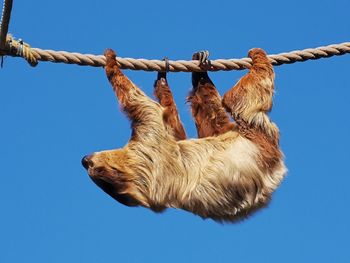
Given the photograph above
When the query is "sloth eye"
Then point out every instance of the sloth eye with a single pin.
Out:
(100, 170)
(115, 169)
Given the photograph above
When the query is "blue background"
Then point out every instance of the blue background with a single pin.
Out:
(54, 114)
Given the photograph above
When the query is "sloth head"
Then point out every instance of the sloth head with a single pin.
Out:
(107, 169)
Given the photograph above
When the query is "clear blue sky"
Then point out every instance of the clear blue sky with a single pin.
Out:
(52, 115)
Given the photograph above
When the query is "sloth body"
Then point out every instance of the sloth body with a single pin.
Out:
(226, 174)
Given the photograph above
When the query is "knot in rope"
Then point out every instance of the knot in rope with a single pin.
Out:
(20, 49)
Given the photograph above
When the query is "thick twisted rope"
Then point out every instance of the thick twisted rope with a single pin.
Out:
(187, 66)
(9, 46)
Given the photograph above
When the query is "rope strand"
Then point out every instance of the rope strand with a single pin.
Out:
(11, 47)
(192, 65)
(33, 55)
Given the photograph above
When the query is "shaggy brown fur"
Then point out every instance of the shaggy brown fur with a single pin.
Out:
(170, 115)
(249, 101)
(225, 176)
(210, 117)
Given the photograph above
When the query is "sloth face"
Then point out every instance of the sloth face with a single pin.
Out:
(107, 170)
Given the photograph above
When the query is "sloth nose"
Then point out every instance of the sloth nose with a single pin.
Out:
(86, 161)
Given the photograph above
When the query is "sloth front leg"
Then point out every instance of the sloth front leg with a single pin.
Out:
(210, 117)
(165, 97)
(146, 115)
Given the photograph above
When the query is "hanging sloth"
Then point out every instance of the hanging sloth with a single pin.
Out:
(226, 174)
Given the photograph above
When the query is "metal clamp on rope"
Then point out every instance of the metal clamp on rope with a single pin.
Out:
(167, 65)
(20, 48)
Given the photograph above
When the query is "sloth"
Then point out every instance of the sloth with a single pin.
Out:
(226, 174)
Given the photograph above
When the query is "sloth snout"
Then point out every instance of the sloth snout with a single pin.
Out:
(86, 161)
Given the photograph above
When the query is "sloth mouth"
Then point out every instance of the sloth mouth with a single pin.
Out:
(112, 190)
(107, 187)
